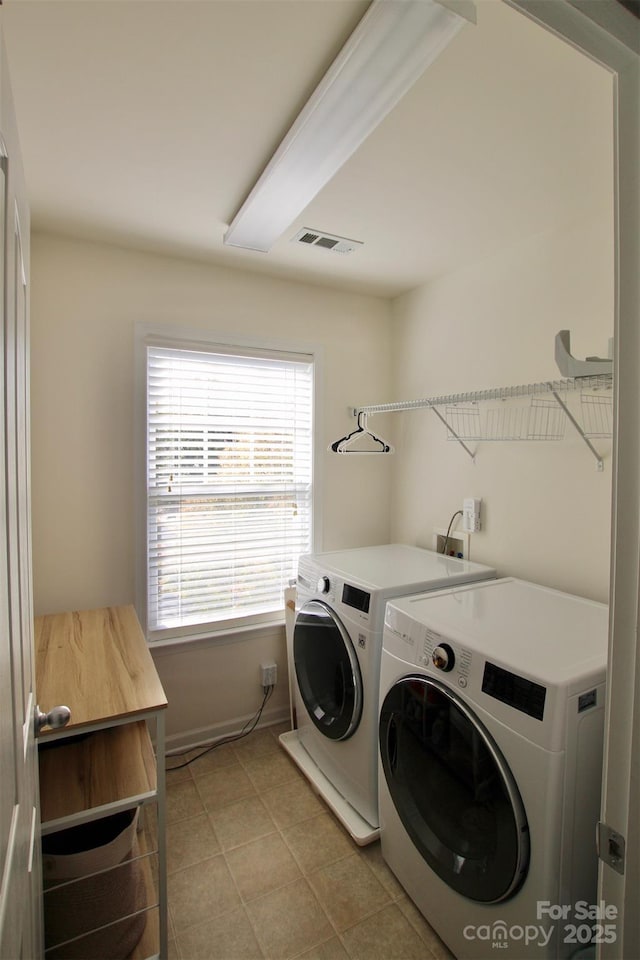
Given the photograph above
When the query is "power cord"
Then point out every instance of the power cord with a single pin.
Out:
(248, 728)
(458, 513)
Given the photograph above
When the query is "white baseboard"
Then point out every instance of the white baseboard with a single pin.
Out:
(202, 736)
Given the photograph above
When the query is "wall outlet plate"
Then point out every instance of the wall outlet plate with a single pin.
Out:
(471, 514)
(268, 674)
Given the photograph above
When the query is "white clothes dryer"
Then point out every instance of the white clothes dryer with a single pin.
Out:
(491, 732)
(337, 640)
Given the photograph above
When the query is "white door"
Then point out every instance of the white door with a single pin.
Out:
(610, 34)
(20, 871)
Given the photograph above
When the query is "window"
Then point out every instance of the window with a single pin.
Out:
(229, 485)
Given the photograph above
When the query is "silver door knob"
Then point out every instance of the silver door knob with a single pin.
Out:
(57, 717)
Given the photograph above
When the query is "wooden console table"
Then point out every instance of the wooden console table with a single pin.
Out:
(97, 663)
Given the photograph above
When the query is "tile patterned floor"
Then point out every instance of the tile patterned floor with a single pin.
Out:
(259, 869)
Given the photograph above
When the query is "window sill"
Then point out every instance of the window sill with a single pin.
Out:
(215, 637)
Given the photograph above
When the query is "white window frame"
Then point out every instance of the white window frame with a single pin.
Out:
(181, 338)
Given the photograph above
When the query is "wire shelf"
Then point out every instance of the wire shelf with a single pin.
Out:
(573, 384)
(597, 415)
(535, 411)
(535, 419)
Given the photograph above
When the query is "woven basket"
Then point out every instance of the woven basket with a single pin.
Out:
(86, 902)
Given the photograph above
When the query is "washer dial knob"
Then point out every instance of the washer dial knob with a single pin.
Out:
(443, 657)
(323, 585)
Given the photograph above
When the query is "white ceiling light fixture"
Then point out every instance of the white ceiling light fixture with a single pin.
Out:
(391, 47)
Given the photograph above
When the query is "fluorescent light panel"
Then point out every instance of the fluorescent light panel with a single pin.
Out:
(391, 47)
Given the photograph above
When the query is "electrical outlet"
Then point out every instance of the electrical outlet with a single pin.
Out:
(269, 674)
(471, 514)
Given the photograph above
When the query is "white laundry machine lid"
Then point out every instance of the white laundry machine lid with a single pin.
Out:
(553, 636)
(395, 565)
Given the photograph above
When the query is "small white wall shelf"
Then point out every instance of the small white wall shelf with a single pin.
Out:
(536, 411)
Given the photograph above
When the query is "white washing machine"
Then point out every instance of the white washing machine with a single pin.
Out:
(337, 640)
(491, 732)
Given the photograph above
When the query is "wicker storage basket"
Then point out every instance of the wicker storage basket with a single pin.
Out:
(75, 903)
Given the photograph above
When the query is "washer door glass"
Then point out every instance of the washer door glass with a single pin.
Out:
(327, 670)
(453, 790)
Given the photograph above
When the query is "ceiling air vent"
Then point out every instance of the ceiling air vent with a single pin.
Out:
(314, 238)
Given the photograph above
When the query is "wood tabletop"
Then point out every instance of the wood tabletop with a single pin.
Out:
(97, 663)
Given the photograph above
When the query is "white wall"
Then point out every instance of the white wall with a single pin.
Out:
(85, 301)
(546, 509)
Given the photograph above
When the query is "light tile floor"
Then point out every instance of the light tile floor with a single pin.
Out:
(259, 869)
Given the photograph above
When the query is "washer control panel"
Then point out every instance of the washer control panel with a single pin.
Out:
(315, 583)
(343, 597)
(438, 653)
(443, 657)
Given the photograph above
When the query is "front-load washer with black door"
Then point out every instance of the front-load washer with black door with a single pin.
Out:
(491, 732)
(337, 640)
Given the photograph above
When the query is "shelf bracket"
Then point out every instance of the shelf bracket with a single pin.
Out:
(454, 434)
(578, 428)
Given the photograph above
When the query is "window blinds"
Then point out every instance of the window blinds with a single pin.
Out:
(229, 484)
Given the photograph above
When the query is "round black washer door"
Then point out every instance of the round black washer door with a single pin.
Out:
(327, 670)
(453, 791)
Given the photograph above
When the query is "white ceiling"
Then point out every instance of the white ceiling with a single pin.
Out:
(146, 122)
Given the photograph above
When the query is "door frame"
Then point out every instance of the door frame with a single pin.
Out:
(21, 884)
(609, 34)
